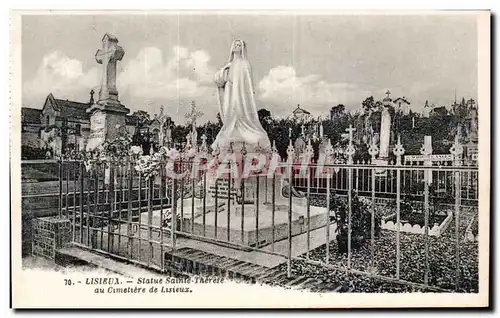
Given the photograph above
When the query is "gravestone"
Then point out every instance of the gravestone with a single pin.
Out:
(107, 115)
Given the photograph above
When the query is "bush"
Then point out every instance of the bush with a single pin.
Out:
(361, 220)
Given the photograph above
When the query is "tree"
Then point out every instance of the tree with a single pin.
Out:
(264, 118)
(219, 119)
(439, 111)
(369, 104)
(142, 116)
(264, 114)
(337, 111)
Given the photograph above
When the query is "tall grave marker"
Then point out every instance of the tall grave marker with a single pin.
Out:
(107, 115)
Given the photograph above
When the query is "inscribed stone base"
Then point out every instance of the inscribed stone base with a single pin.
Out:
(106, 122)
(50, 234)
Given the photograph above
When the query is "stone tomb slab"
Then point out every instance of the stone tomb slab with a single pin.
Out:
(229, 221)
(243, 224)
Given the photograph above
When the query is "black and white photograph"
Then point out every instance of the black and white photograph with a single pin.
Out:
(177, 159)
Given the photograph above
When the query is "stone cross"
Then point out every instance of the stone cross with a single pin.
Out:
(426, 150)
(108, 56)
(388, 93)
(303, 130)
(193, 115)
(350, 151)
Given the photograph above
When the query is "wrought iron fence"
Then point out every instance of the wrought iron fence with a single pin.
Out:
(117, 211)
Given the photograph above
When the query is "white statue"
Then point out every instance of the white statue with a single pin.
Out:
(235, 95)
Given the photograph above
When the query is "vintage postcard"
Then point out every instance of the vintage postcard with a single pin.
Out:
(250, 159)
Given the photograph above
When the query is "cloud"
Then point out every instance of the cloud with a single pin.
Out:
(283, 88)
(181, 75)
(151, 78)
(61, 75)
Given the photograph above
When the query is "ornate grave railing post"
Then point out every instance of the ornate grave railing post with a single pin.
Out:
(350, 151)
(457, 150)
(373, 151)
(273, 197)
(309, 154)
(291, 156)
(242, 185)
(398, 152)
(426, 150)
(60, 168)
(329, 158)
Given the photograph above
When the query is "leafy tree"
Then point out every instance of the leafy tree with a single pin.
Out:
(142, 116)
(219, 119)
(264, 114)
(337, 111)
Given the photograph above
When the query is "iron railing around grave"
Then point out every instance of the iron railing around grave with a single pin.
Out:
(116, 211)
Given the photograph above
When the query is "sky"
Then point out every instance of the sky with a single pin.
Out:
(317, 61)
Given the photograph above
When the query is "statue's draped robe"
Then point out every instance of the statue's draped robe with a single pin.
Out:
(238, 109)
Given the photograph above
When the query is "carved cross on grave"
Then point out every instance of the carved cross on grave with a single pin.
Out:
(108, 56)
(351, 131)
(388, 93)
(193, 115)
(350, 151)
(191, 118)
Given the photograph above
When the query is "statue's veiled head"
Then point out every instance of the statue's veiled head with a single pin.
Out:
(238, 47)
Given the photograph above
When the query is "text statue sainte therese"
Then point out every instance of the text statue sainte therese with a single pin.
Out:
(238, 110)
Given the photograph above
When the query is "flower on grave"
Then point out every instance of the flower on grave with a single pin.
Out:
(163, 150)
(190, 153)
(136, 150)
(88, 165)
(102, 157)
(173, 153)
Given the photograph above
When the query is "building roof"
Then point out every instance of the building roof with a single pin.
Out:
(299, 110)
(72, 109)
(402, 99)
(30, 115)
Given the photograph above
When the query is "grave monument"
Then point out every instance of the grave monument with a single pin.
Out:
(384, 136)
(236, 209)
(107, 114)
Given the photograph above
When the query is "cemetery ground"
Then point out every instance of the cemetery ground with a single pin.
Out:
(442, 266)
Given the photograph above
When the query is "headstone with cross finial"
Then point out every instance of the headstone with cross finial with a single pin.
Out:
(107, 115)
(426, 150)
(350, 151)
